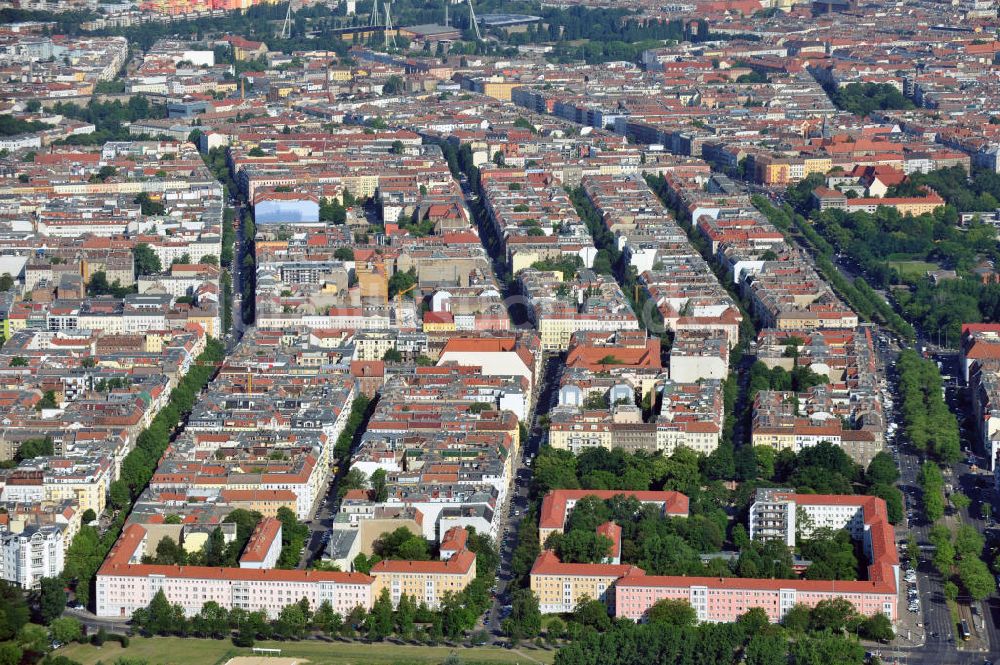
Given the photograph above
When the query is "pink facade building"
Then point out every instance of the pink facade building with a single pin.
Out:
(719, 599)
(629, 592)
(773, 516)
(124, 584)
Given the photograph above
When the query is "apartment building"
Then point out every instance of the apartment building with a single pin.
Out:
(718, 600)
(558, 504)
(34, 552)
(264, 547)
(425, 581)
(629, 592)
(560, 586)
(586, 303)
(980, 365)
(125, 585)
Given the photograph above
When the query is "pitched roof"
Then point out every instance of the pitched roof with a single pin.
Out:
(117, 563)
(548, 563)
(261, 539)
(459, 564)
(553, 515)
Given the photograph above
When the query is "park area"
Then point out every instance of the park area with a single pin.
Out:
(913, 270)
(196, 651)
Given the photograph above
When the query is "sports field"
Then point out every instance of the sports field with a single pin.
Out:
(193, 651)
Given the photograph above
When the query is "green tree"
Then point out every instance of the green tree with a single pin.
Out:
(10, 653)
(592, 613)
(878, 628)
(825, 649)
(363, 564)
(66, 629)
(119, 495)
(832, 615)
(13, 610)
(405, 616)
(832, 554)
(525, 620)
(796, 620)
(33, 448)
(669, 612)
(402, 282)
(51, 599)
(291, 623)
(146, 260)
(960, 501)
(968, 541)
(48, 400)
(882, 470)
(6, 282)
(380, 620)
(393, 85)
(211, 621)
(33, 637)
(392, 356)
(379, 490)
(148, 206)
(764, 649)
(976, 578)
(159, 615)
(326, 620)
(214, 548)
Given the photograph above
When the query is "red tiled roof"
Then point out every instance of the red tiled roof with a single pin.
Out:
(459, 564)
(454, 539)
(117, 563)
(751, 583)
(612, 532)
(553, 514)
(261, 540)
(548, 563)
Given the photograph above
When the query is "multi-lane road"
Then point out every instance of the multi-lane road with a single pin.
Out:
(935, 642)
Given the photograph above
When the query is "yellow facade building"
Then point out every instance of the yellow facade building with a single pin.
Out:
(424, 581)
(560, 586)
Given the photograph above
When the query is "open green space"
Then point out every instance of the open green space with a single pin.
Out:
(910, 270)
(195, 651)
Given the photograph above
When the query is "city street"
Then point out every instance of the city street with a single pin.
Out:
(518, 502)
(935, 640)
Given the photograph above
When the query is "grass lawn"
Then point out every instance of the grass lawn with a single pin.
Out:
(194, 651)
(913, 269)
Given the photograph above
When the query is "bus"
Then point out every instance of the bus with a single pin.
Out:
(963, 630)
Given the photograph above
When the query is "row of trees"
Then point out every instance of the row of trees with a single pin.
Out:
(927, 421)
(875, 241)
(672, 635)
(790, 220)
(958, 558)
(88, 549)
(358, 415)
(408, 619)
